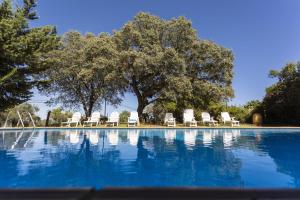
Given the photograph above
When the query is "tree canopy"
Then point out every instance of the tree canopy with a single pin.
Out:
(21, 52)
(165, 61)
(281, 103)
(82, 72)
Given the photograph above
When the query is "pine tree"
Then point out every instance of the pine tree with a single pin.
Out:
(21, 52)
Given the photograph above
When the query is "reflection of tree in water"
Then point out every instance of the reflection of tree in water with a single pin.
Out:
(157, 163)
(178, 165)
(285, 150)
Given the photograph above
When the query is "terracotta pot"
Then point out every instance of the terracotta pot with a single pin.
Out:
(257, 119)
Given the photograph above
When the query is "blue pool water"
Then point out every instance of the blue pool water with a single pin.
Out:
(155, 157)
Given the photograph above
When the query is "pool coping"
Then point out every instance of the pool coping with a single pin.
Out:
(151, 193)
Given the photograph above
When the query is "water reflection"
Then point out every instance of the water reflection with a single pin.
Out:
(160, 157)
(74, 136)
(207, 137)
(133, 136)
(113, 137)
(170, 135)
(190, 137)
(16, 139)
(93, 136)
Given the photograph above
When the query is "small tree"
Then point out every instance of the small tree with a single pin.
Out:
(124, 116)
(83, 72)
(58, 116)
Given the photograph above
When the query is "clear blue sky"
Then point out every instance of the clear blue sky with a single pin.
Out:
(263, 34)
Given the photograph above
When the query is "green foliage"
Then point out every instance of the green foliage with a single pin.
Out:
(281, 103)
(21, 52)
(239, 112)
(124, 116)
(58, 116)
(82, 72)
(164, 61)
(23, 110)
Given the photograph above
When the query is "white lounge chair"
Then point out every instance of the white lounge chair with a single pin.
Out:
(133, 119)
(113, 119)
(170, 120)
(74, 120)
(206, 118)
(188, 118)
(94, 119)
(226, 118)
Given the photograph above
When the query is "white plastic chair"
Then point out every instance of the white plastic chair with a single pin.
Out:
(133, 119)
(188, 118)
(94, 119)
(226, 118)
(170, 121)
(74, 120)
(206, 118)
(113, 119)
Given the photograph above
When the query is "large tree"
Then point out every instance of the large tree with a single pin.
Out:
(21, 52)
(282, 100)
(165, 61)
(82, 72)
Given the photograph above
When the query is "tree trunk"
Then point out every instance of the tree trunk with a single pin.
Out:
(142, 101)
(140, 109)
(88, 109)
(141, 105)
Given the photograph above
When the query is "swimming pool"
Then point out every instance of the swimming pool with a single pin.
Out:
(247, 158)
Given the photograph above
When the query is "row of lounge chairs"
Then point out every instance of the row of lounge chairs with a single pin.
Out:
(170, 121)
(189, 119)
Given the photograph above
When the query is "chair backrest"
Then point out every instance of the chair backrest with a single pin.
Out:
(188, 115)
(76, 117)
(169, 117)
(114, 115)
(134, 116)
(225, 116)
(205, 116)
(95, 116)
